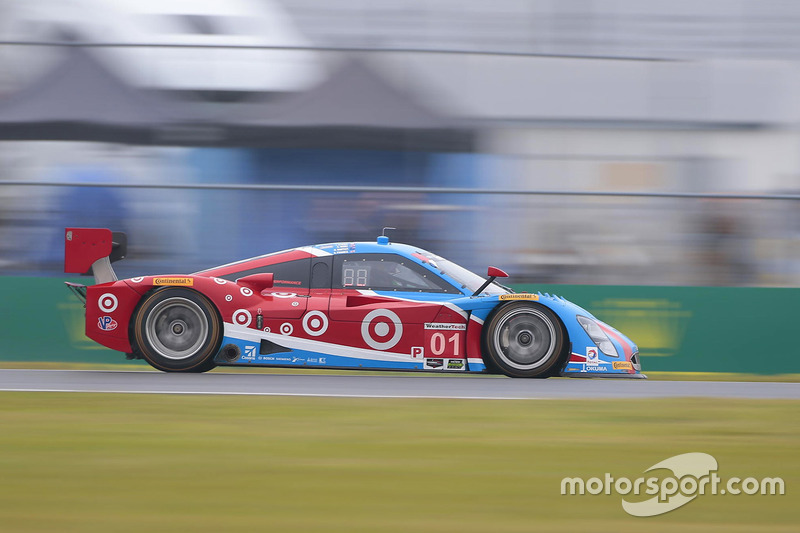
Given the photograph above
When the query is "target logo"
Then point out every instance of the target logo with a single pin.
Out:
(137, 279)
(315, 323)
(246, 291)
(283, 294)
(381, 329)
(242, 317)
(220, 281)
(286, 329)
(228, 297)
(107, 302)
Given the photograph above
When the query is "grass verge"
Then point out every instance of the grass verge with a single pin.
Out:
(101, 462)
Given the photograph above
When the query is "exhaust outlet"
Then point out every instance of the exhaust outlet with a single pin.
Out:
(230, 352)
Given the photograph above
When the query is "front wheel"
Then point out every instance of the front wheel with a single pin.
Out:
(178, 330)
(524, 340)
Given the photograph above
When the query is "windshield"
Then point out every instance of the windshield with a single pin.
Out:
(461, 275)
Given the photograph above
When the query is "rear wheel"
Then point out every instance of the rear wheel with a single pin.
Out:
(178, 330)
(525, 340)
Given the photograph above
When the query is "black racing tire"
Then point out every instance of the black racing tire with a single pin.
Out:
(524, 340)
(178, 330)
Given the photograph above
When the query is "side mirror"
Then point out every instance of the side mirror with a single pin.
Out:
(495, 272)
(257, 282)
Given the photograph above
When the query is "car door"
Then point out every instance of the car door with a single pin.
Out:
(388, 303)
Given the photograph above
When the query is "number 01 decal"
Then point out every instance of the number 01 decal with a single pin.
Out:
(445, 343)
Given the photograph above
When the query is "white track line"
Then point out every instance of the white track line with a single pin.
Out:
(301, 394)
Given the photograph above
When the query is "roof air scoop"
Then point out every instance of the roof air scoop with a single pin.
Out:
(384, 239)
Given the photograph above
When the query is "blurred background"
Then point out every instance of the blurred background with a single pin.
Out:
(210, 131)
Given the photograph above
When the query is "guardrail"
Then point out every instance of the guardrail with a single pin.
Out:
(345, 49)
(421, 189)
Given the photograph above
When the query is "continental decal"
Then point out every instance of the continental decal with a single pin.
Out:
(623, 365)
(523, 296)
(182, 282)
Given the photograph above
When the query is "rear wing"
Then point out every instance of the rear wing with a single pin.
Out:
(90, 251)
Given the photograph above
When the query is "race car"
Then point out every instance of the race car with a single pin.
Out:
(349, 305)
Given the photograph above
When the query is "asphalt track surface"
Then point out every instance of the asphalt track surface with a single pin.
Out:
(383, 386)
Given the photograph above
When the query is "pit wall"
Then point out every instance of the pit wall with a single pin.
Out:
(685, 329)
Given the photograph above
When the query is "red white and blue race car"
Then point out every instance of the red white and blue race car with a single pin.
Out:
(369, 305)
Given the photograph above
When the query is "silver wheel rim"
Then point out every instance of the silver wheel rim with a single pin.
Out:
(176, 328)
(525, 339)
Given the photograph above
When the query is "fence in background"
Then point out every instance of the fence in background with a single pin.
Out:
(538, 236)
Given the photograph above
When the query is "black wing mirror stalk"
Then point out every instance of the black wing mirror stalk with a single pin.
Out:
(493, 274)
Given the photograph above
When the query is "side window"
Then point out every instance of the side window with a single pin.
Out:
(321, 274)
(386, 272)
(287, 275)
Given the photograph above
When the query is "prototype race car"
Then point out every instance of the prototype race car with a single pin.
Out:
(378, 305)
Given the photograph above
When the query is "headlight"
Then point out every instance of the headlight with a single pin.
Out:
(598, 336)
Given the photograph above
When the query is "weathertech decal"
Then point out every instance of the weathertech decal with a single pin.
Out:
(183, 282)
(436, 325)
(525, 296)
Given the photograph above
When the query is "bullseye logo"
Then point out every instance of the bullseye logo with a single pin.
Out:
(283, 294)
(220, 281)
(242, 317)
(287, 329)
(315, 323)
(137, 279)
(381, 329)
(246, 291)
(106, 323)
(107, 303)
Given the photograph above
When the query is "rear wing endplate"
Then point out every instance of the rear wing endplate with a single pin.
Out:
(90, 251)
